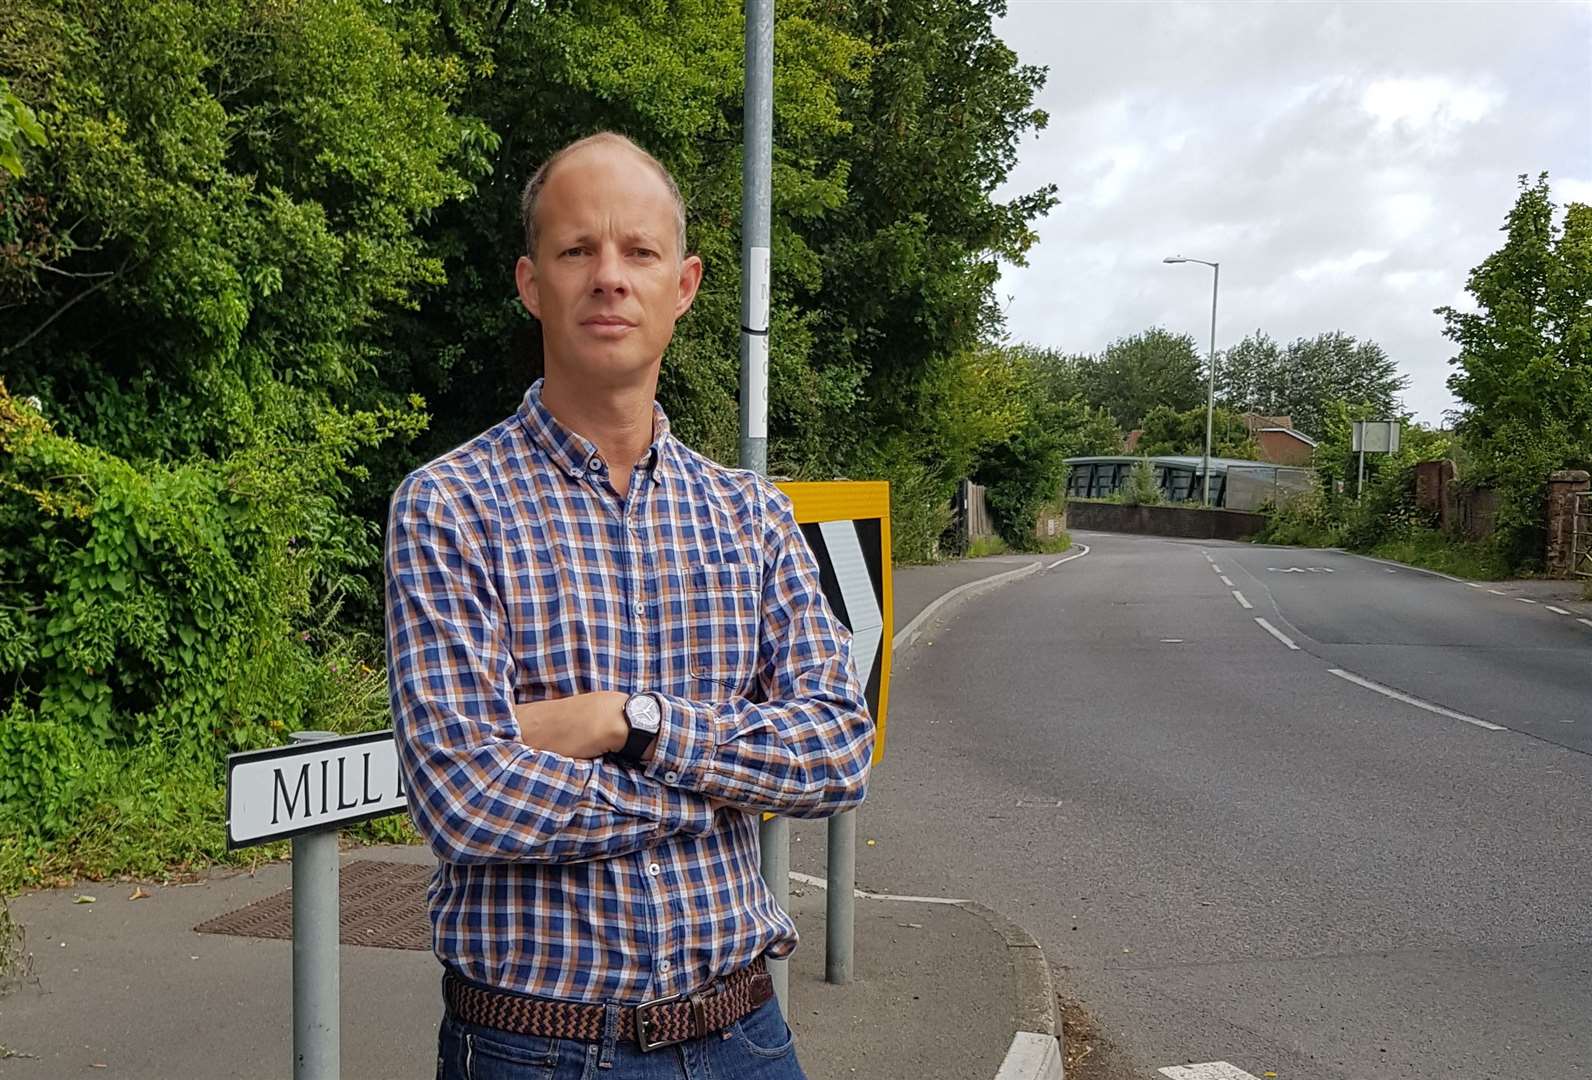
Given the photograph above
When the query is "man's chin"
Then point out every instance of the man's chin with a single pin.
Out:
(613, 366)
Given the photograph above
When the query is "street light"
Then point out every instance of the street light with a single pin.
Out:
(1210, 390)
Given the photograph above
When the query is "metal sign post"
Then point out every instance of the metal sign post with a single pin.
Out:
(756, 197)
(308, 791)
(847, 526)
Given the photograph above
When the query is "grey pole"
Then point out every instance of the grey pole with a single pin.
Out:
(756, 198)
(840, 916)
(317, 1037)
(1210, 391)
(1210, 386)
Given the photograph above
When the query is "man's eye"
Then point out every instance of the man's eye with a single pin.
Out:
(646, 253)
(575, 251)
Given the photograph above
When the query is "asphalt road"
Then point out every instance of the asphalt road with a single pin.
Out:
(1231, 853)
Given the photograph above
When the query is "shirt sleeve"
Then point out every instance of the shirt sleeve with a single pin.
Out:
(476, 792)
(804, 750)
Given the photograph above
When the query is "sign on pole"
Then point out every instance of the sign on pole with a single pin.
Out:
(1374, 437)
(847, 525)
(288, 790)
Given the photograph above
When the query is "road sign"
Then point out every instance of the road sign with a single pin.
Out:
(288, 790)
(847, 525)
(1376, 436)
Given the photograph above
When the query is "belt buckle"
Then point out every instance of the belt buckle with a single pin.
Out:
(645, 1041)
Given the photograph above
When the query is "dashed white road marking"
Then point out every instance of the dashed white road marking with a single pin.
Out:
(1171, 641)
(1276, 633)
(1473, 584)
(1245, 604)
(1409, 699)
(1216, 567)
(1497, 592)
(1556, 610)
(1227, 581)
(1208, 1070)
(1588, 622)
(1523, 600)
(1083, 549)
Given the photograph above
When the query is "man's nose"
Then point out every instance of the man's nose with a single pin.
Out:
(608, 276)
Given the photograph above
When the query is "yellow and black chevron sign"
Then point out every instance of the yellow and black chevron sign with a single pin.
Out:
(847, 525)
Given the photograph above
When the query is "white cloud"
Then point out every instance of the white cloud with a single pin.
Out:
(1340, 267)
(1347, 164)
(1421, 104)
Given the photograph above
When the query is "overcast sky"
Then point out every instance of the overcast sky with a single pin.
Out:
(1348, 164)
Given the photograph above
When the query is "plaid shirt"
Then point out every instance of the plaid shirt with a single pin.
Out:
(517, 573)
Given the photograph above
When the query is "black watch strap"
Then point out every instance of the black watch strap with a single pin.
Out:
(636, 746)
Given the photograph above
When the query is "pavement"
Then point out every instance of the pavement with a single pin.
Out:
(125, 986)
(1229, 851)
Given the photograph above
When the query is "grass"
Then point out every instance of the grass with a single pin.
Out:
(985, 546)
(1431, 550)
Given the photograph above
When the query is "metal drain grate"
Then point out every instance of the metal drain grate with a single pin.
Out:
(382, 904)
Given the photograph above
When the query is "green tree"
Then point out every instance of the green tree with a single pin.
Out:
(1303, 380)
(1135, 374)
(1524, 368)
(1166, 431)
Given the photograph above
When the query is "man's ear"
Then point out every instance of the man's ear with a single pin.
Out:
(525, 281)
(690, 281)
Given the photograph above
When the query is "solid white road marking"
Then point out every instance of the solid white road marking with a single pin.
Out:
(1276, 633)
(1245, 604)
(1208, 1070)
(1556, 610)
(1408, 699)
(1523, 600)
(821, 883)
(1227, 581)
(1083, 549)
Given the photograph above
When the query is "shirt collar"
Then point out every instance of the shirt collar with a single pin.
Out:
(573, 453)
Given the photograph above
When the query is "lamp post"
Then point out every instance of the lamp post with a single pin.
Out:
(1210, 389)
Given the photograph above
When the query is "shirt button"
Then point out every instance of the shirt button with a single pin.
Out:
(664, 966)
(654, 869)
(641, 611)
(671, 777)
(595, 464)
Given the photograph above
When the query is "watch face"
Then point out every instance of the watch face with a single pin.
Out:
(643, 713)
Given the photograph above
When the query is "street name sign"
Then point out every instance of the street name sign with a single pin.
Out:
(288, 790)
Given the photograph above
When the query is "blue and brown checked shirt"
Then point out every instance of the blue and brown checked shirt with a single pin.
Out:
(516, 573)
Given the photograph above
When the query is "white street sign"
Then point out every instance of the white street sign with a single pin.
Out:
(287, 790)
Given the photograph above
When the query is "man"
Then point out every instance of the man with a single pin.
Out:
(607, 655)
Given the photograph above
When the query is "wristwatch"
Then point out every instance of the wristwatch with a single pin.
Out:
(644, 715)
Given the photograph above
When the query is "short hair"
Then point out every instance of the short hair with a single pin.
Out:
(533, 188)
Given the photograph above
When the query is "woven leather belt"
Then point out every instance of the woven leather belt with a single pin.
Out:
(650, 1025)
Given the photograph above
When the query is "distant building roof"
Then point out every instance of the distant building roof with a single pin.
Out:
(1195, 462)
(1301, 436)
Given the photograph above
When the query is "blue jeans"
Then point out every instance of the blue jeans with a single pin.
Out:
(759, 1047)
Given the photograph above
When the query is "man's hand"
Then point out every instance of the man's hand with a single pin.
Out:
(583, 726)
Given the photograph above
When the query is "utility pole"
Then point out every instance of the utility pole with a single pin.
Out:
(756, 198)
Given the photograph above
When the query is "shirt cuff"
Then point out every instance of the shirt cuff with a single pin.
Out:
(683, 752)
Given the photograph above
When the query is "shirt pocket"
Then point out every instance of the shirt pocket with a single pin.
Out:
(723, 621)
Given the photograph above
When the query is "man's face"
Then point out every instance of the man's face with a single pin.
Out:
(607, 280)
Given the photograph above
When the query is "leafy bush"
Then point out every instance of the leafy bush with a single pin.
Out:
(1141, 488)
